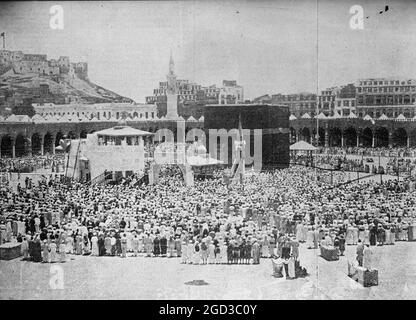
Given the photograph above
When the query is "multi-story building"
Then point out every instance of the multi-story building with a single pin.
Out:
(391, 97)
(231, 92)
(191, 93)
(345, 101)
(326, 101)
(38, 63)
(298, 103)
(98, 110)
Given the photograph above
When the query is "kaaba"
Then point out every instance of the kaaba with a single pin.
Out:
(273, 120)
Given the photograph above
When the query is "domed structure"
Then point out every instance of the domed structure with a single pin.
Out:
(201, 150)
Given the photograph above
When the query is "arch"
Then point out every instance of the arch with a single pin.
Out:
(412, 137)
(20, 145)
(6, 146)
(382, 137)
(135, 114)
(335, 137)
(321, 136)
(36, 144)
(350, 137)
(399, 138)
(305, 134)
(366, 137)
(48, 143)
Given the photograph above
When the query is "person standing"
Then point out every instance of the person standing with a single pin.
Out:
(294, 248)
(204, 251)
(291, 267)
(78, 243)
(190, 251)
(184, 253)
(107, 244)
(101, 245)
(113, 245)
(211, 253)
(265, 252)
(342, 244)
(309, 238)
(163, 246)
(255, 252)
(171, 246)
(156, 246)
(62, 252)
(25, 248)
(360, 253)
(37, 250)
(135, 245)
(123, 242)
(367, 257)
(52, 249)
(178, 245)
(94, 243)
(147, 242)
(197, 254)
(45, 251)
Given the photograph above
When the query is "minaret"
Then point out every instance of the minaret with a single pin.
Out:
(172, 92)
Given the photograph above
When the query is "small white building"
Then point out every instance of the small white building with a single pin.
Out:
(116, 152)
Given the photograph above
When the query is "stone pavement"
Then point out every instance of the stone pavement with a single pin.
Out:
(164, 278)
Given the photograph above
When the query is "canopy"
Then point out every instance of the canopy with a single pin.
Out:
(302, 146)
(401, 117)
(367, 117)
(336, 115)
(352, 115)
(383, 117)
(321, 116)
(292, 117)
(123, 131)
(306, 116)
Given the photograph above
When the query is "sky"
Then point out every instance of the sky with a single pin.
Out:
(267, 46)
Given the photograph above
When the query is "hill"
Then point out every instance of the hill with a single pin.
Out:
(62, 88)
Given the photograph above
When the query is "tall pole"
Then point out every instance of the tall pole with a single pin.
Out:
(242, 151)
(317, 85)
(4, 40)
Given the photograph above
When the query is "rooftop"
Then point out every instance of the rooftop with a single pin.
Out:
(123, 131)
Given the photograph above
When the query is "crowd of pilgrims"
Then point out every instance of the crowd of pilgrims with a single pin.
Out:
(370, 152)
(32, 163)
(210, 222)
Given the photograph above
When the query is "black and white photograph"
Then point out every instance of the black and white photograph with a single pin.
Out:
(208, 150)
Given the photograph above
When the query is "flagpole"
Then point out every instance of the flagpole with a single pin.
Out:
(4, 40)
